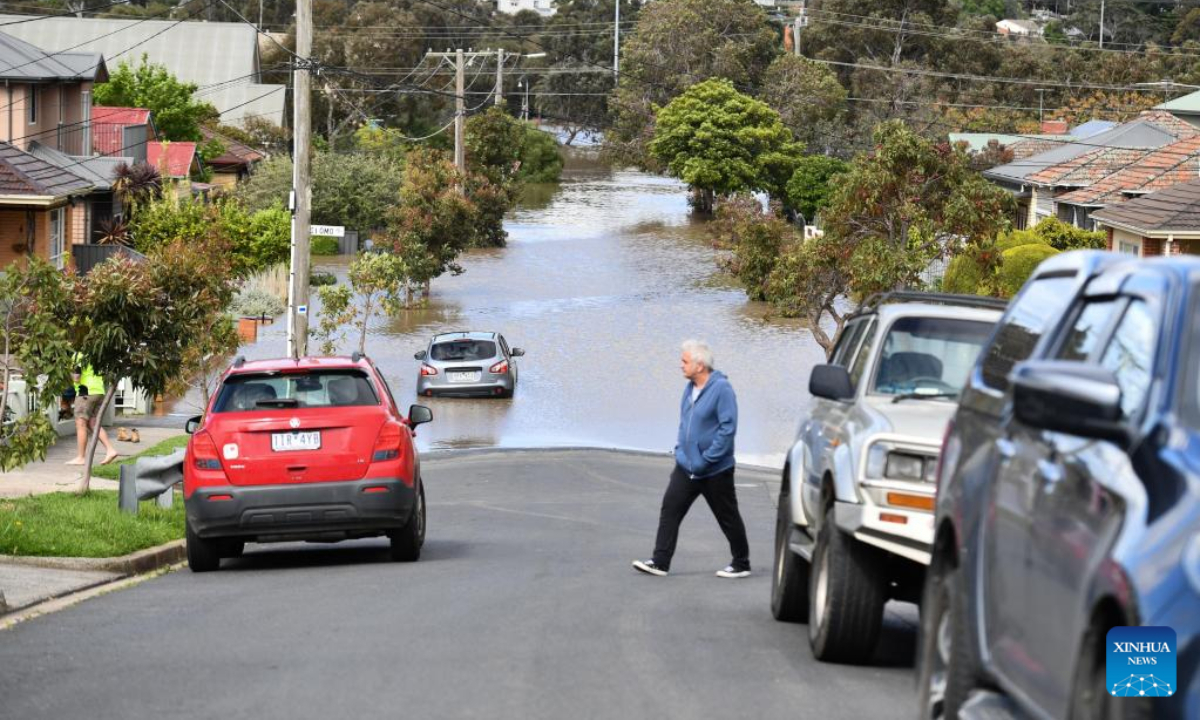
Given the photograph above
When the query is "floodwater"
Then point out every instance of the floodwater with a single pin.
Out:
(603, 276)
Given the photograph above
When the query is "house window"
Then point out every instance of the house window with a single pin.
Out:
(32, 101)
(85, 102)
(1129, 248)
(58, 245)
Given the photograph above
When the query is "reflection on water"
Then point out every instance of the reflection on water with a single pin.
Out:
(604, 275)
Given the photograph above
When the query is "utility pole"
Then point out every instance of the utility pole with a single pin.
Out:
(500, 77)
(1101, 24)
(1041, 96)
(800, 21)
(617, 42)
(301, 183)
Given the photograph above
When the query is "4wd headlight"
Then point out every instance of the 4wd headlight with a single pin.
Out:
(885, 462)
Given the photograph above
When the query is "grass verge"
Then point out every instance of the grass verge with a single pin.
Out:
(67, 525)
(165, 447)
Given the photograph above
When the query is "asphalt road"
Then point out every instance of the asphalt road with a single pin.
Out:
(523, 605)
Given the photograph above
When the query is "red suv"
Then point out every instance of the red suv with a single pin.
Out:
(311, 449)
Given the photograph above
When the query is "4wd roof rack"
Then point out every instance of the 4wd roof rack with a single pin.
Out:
(978, 301)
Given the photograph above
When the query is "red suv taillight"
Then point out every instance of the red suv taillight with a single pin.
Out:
(204, 452)
(387, 445)
(428, 370)
(499, 368)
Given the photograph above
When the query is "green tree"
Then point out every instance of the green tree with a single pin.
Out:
(377, 284)
(675, 45)
(177, 114)
(810, 186)
(541, 161)
(34, 343)
(753, 238)
(806, 95)
(720, 141)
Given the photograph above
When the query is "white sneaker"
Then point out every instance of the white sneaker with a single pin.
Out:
(729, 572)
(648, 567)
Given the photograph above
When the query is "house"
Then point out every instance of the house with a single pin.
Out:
(1186, 108)
(47, 98)
(1166, 222)
(176, 161)
(1019, 28)
(221, 58)
(122, 131)
(233, 165)
(1037, 181)
(101, 204)
(545, 8)
(40, 209)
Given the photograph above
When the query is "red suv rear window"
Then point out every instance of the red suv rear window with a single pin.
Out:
(318, 388)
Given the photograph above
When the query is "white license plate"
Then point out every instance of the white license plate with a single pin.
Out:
(464, 376)
(291, 441)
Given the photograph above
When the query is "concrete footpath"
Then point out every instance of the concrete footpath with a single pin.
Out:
(30, 581)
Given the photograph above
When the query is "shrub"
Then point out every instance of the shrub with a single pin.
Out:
(964, 275)
(1018, 264)
(256, 303)
(540, 160)
(1017, 238)
(319, 279)
(324, 245)
(1062, 236)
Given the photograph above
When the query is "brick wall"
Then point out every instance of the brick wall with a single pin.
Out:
(1151, 247)
(1109, 235)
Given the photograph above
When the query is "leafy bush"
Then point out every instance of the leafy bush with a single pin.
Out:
(1018, 264)
(540, 160)
(256, 303)
(965, 275)
(1017, 238)
(320, 279)
(324, 245)
(809, 187)
(1062, 236)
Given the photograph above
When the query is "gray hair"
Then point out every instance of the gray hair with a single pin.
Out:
(699, 351)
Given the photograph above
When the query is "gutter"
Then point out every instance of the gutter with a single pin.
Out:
(45, 201)
(1159, 234)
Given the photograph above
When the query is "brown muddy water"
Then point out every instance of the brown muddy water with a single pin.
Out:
(603, 276)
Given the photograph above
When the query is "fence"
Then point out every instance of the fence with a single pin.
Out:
(87, 256)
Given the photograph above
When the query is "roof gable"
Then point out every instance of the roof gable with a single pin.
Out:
(179, 158)
(22, 60)
(24, 174)
(1174, 208)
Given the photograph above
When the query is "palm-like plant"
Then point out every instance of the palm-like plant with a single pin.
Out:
(137, 183)
(114, 231)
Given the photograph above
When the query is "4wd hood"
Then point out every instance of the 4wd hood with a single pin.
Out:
(922, 420)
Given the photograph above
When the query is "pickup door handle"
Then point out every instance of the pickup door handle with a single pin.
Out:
(1006, 449)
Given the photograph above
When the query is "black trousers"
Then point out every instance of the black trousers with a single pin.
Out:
(718, 491)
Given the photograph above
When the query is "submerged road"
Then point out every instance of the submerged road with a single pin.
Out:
(523, 605)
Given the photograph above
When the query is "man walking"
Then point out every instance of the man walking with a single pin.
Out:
(703, 464)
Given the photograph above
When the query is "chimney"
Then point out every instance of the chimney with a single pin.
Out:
(1054, 127)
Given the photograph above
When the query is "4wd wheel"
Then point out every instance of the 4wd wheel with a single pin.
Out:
(202, 555)
(945, 668)
(846, 600)
(789, 582)
(407, 542)
(1090, 699)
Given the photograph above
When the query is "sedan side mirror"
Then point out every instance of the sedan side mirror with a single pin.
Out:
(419, 415)
(193, 424)
(421, 355)
(831, 382)
(518, 352)
(1069, 397)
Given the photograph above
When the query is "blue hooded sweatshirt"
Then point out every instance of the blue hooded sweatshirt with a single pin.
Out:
(706, 428)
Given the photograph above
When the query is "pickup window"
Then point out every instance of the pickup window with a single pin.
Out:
(930, 355)
(1028, 318)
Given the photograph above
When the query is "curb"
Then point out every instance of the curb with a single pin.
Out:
(435, 455)
(142, 561)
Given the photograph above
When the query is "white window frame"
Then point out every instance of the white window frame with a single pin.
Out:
(1129, 248)
(58, 237)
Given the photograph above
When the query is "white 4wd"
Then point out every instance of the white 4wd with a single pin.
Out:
(855, 520)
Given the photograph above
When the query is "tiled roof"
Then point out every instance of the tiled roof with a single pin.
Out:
(20, 60)
(236, 153)
(100, 171)
(23, 174)
(1175, 208)
(179, 157)
(1030, 146)
(1162, 168)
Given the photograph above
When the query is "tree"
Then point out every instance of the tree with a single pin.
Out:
(894, 211)
(377, 283)
(141, 319)
(804, 93)
(809, 188)
(753, 238)
(675, 45)
(720, 141)
(177, 114)
(540, 160)
(34, 298)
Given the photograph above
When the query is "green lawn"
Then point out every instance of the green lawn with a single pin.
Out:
(166, 447)
(67, 525)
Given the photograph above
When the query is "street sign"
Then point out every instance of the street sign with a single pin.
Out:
(327, 230)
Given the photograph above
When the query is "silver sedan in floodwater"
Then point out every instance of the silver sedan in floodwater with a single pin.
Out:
(468, 363)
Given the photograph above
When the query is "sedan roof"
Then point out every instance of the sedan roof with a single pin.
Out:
(464, 335)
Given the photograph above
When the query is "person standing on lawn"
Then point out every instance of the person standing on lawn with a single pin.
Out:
(704, 464)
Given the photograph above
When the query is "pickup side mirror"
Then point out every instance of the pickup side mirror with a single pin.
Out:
(518, 352)
(1069, 397)
(831, 382)
(193, 424)
(419, 415)
(421, 355)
